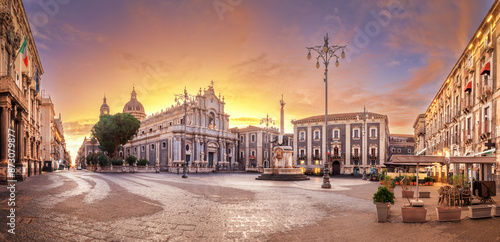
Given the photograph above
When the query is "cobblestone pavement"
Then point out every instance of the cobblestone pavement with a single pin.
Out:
(87, 206)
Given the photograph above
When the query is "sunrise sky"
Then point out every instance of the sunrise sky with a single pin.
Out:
(253, 50)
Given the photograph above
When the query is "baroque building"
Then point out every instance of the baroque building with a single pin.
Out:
(54, 153)
(355, 144)
(209, 143)
(255, 147)
(462, 119)
(19, 93)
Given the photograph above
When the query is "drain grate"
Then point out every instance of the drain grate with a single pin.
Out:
(27, 220)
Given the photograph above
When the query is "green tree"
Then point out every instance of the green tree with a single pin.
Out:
(114, 131)
(131, 160)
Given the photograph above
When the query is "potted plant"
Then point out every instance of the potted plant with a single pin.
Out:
(405, 192)
(397, 180)
(389, 183)
(444, 211)
(411, 214)
(383, 199)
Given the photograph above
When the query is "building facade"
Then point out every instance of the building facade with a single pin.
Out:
(19, 97)
(88, 147)
(53, 150)
(255, 147)
(209, 144)
(462, 119)
(401, 144)
(355, 141)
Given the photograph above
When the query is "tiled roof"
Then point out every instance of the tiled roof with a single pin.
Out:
(338, 116)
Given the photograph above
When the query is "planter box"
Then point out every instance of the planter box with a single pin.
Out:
(424, 194)
(382, 211)
(407, 194)
(414, 214)
(448, 214)
(496, 210)
(481, 211)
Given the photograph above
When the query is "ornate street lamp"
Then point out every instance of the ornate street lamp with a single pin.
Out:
(267, 120)
(325, 53)
(186, 98)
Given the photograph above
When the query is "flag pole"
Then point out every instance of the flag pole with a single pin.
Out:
(15, 58)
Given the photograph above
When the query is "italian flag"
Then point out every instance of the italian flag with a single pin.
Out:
(23, 50)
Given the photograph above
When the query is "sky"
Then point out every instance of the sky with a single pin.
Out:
(398, 54)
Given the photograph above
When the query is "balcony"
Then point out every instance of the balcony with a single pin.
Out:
(466, 105)
(336, 156)
(484, 130)
(373, 157)
(355, 157)
(468, 136)
(485, 94)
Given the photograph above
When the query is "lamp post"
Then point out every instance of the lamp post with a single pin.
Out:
(325, 53)
(184, 97)
(267, 120)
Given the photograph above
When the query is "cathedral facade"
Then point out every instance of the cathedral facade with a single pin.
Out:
(209, 144)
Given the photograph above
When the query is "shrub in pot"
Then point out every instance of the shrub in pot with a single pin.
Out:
(383, 199)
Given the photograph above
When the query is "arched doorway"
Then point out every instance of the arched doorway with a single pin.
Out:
(336, 168)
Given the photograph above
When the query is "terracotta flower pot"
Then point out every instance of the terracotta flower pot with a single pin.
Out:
(445, 214)
(480, 211)
(382, 211)
(407, 194)
(414, 214)
(397, 183)
(496, 210)
(427, 183)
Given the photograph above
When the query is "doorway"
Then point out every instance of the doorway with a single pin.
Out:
(336, 168)
(210, 159)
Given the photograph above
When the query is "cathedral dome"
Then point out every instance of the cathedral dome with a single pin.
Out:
(134, 107)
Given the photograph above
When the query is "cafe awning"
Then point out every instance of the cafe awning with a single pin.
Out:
(413, 159)
(485, 69)
(468, 87)
(473, 160)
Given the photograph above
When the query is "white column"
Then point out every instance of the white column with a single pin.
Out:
(347, 143)
(309, 145)
(296, 145)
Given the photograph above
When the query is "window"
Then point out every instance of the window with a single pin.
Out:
(253, 137)
(316, 134)
(229, 151)
(151, 130)
(373, 133)
(143, 148)
(336, 134)
(265, 154)
(302, 135)
(152, 146)
(356, 152)
(142, 132)
(399, 150)
(135, 150)
(409, 151)
(393, 150)
(356, 133)
(302, 153)
(128, 151)
(187, 147)
(373, 151)
(164, 144)
(242, 138)
(242, 154)
(253, 154)
(316, 153)
(336, 151)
